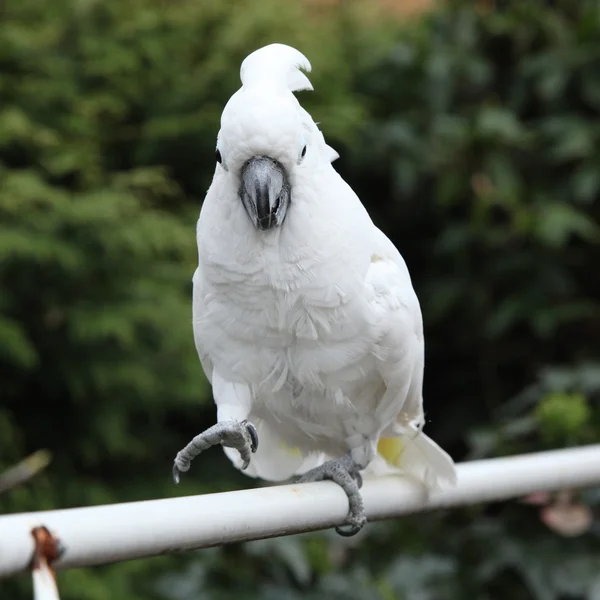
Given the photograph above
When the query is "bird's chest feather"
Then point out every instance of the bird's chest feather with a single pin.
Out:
(285, 324)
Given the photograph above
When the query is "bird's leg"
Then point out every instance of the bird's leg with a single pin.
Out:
(233, 429)
(346, 473)
(240, 435)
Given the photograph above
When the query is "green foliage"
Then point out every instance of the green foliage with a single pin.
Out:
(562, 417)
(478, 159)
(559, 409)
(108, 119)
(474, 141)
(482, 146)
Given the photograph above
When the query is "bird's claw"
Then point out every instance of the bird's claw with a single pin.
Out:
(253, 436)
(176, 474)
(354, 524)
(234, 434)
(250, 436)
(345, 473)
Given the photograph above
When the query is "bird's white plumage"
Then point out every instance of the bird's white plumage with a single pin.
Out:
(278, 66)
(310, 330)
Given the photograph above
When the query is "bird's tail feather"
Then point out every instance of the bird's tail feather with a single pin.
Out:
(418, 455)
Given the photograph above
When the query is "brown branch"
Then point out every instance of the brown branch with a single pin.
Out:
(25, 470)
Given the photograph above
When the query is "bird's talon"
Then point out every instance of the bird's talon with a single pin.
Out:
(358, 478)
(352, 530)
(354, 524)
(345, 472)
(176, 474)
(231, 434)
(253, 436)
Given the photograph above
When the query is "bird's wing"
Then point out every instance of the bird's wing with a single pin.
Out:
(401, 353)
(198, 310)
(401, 349)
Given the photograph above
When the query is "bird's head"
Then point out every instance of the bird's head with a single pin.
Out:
(266, 138)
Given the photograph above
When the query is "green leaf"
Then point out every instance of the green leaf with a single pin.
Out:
(556, 223)
(15, 345)
(499, 125)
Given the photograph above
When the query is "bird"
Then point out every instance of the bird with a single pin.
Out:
(305, 318)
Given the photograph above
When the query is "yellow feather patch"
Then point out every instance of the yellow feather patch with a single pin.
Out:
(391, 449)
(291, 449)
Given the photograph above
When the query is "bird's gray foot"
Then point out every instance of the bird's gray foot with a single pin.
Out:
(345, 472)
(234, 434)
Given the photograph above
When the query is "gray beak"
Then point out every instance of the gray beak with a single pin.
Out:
(265, 191)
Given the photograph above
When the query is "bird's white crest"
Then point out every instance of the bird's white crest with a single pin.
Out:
(276, 65)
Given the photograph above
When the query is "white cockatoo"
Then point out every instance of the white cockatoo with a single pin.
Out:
(304, 315)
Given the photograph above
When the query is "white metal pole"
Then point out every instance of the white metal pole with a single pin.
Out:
(103, 534)
(44, 584)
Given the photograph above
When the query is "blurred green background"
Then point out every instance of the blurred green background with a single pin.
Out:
(472, 135)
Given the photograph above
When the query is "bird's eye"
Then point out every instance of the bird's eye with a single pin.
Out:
(219, 157)
(303, 153)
